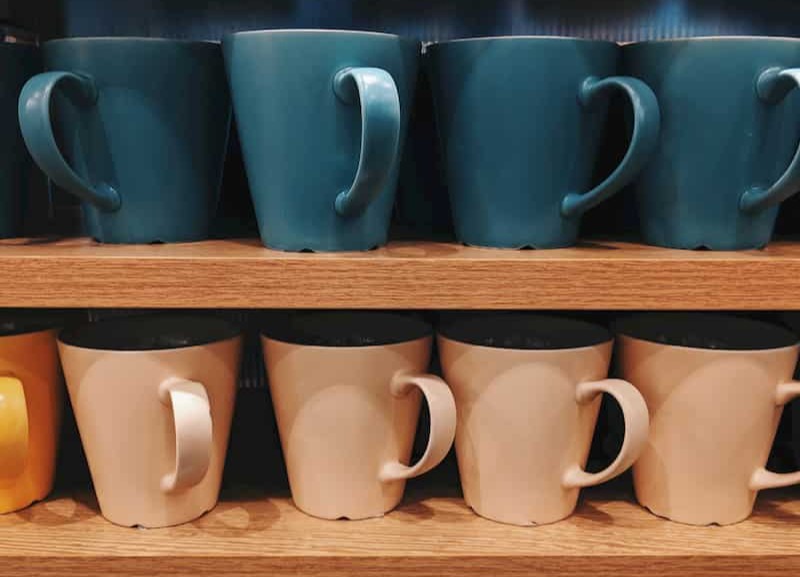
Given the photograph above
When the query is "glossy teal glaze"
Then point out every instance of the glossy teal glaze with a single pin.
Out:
(321, 116)
(18, 62)
(521, 119)
(137, 128)
(727, 155)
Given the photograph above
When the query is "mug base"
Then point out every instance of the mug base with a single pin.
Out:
(698, 521)
(519, 522)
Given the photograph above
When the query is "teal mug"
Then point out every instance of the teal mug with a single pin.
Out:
(18, 63)
(137, 128)
(728, 151)
(322, 116)
(520, 121)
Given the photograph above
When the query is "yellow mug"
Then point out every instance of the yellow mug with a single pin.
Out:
(31, 398)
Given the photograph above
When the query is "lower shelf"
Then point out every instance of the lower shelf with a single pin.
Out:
(252, 534)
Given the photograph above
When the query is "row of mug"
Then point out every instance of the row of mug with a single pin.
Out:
(137, 128)
(153, 398)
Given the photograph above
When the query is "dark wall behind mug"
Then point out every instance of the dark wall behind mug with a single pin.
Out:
(422, 202)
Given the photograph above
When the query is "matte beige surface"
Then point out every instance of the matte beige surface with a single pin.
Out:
(525, 424)
(129, 434)
(713, 416)
(241, 273)
(347, 417)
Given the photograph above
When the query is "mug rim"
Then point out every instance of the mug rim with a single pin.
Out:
(312, 31)
(774, 328)
(702, 39)
(283, 333)
(142, 39)
(75, 336)
(545, 37)
(608, 336)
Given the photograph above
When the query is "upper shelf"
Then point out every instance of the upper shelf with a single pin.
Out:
(409, 274)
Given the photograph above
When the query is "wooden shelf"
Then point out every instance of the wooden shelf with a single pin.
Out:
(411, 274)
(252, 534)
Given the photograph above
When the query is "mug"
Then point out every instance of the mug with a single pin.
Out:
(322, 117)
(521, 120)
(346, 388)
(18, 62)
(31, 395)
(153, 398)
(137, 128)
(727, 154)
(715, 387)
(528, 389)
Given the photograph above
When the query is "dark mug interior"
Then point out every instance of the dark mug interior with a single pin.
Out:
(347, 329)
(19, 322)
(706, 331)
(523, 331)
(149, 333)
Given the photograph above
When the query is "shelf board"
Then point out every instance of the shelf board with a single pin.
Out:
(253, 534)
(407, 274)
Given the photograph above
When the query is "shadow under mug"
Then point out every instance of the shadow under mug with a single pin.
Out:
(322, 118)
(715, 386)
(521, 120)
(153, 398)
(137, 128)
(727, 155)
(346, 388)
(528, 389)
(31, 388)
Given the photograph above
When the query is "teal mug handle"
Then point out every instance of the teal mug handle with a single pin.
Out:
(377, 93)
(644, 139)
(772, 86)
(37, 130)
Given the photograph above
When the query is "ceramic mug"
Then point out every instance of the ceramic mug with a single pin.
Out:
(715, 387)
(727, 154)
(31, 403)
(346, 388)
(153, 398)
(135, 127)
(521, 120)
(528, 390)
(322, 116)
(18, 62)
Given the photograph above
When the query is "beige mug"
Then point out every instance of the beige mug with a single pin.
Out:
(715, 386)
(346, 388)
(528, 390)
(153, 398)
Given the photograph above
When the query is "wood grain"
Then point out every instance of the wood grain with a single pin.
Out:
(252, 534)
(412, 274)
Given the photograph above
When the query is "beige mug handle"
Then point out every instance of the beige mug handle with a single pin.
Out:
(442, 408)
(193, 432)
(763, 479)
(637, 425)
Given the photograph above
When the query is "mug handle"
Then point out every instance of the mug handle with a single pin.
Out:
(13, 429)
(193, 432)
(772, 86)
(646, 128)
(377, 93)
(442, 408)
(637, 424)
(37, 130)
(763, 479)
